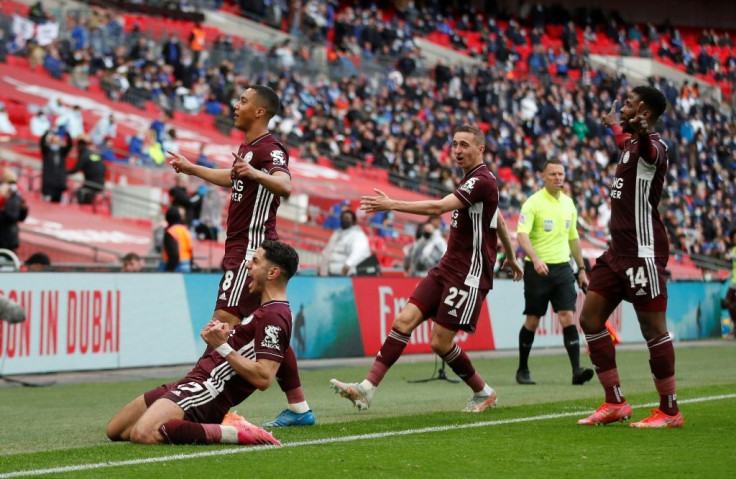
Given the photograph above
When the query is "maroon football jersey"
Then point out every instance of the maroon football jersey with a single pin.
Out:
(263, 335)
(471, 249)
(636, 228)
(252, 211)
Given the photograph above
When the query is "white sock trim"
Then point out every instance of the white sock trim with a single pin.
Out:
(299, 407)
(367, 385)
(229, 435)
(486, 391)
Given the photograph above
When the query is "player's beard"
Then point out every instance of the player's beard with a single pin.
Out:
(626, 127)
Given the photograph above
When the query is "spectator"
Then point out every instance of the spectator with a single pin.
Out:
(179, 197)
(210, 216)
(89, 162)
(197, 42)
(13, 210)
(71, 120)
(3, 46)
(55, 146)
(52, 63)
(383, 224)
(107, 152)
(426, 251)
(332, 221)
(160, 126)
(346, 248)
(40, 124)
(5, 125)
(132, 263)
(203, 159)
(177, 244)
(106, 126)
(37, 14)
(38, 262)
(171, 50)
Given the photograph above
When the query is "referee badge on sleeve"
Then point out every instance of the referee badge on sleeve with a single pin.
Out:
(522, 218)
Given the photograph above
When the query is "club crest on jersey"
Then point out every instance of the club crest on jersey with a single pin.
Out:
(278, 158)
(625, 157)
(468, 186)
(548, 225)
(248, 156)
(271, 337)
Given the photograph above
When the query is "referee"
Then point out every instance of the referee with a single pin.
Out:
(547, 232)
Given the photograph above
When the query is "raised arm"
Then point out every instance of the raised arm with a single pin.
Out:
(612, 121)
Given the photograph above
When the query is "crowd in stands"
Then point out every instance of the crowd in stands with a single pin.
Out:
(401, 119)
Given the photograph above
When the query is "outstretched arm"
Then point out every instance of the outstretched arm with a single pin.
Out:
(381, 202)
(180, 163)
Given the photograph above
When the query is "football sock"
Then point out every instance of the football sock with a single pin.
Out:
(572, 345)
(526, 339)
(603, 356)
(288, 375)
(299, 407)
(662, 365)
(179, 431)
(387, 355)
(460, 363)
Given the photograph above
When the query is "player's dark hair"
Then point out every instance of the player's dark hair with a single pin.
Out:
(268, 98)
(282, 255)
(652, 98)
(480, 138)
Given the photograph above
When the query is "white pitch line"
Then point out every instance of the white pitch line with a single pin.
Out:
(330, 440)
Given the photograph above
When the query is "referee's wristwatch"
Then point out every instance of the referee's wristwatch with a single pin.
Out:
(581, 270)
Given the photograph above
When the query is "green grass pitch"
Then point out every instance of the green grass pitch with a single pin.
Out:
(411, 431)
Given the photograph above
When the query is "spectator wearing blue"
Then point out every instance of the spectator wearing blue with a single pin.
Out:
(135, 148)
(383, 223)
(80, 35)
(332, 222)
(107, 152)
(53, 64)
(203, 159)
(159, 126)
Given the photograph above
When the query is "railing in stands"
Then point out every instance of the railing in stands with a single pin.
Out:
(63, 250)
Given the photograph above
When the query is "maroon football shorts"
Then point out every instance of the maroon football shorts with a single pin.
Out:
(640, 281)
(196, 401)
(233, 295)
(448, 301)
